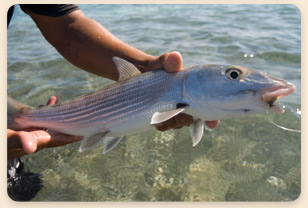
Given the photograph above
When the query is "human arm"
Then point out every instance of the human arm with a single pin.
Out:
(88, 45)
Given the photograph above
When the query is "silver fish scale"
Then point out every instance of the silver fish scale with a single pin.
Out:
(127, 103)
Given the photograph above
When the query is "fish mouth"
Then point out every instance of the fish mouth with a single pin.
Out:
(271, 95)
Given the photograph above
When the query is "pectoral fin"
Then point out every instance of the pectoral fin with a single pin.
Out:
(196, 131)
(110, 143)
(160, 117)
(90, 141)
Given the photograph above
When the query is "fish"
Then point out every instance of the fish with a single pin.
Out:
(140, 100)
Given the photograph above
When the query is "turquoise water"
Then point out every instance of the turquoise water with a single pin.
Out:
(244, 159)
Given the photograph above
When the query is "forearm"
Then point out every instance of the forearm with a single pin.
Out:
(87, 44)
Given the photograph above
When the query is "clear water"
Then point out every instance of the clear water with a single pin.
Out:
(244, 159)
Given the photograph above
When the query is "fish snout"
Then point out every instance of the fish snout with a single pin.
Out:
(271, 95)
(278, 81)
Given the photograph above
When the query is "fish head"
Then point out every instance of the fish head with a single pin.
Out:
(224, 91)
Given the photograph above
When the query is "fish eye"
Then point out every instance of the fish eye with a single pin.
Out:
(233, 73)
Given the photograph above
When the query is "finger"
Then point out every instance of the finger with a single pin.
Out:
(46, 139)
(20, 143)
(62, 139)
(41, 138)
(13, 139)
(173, 62)
(52, 100)
(183, 119)
(171, 123)
(28, 141)
(212, 124)
(161, 127)
(175, 123)
(179, 121)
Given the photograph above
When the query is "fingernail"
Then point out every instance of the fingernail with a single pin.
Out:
(176, 52)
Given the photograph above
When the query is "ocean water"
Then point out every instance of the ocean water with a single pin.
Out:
(244, 159)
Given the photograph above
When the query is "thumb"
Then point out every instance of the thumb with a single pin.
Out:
(28, 142)
(171, 62)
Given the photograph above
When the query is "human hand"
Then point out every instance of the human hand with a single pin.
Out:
(173, 62)
(25, 142)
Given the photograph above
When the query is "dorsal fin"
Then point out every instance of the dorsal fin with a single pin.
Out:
(125, 69)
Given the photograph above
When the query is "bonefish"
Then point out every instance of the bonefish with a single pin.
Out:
(139, 100)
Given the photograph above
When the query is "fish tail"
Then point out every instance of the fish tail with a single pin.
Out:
(13, 109)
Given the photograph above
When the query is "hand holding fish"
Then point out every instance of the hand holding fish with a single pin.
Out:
(173, 62)
(29, 141)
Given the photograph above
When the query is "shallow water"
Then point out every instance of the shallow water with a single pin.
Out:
(244, 159)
